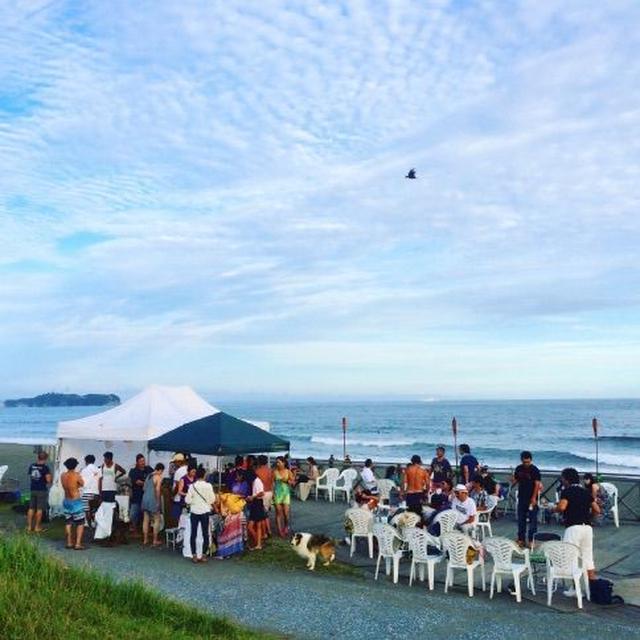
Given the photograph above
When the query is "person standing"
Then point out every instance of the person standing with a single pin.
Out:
(415, 485)
(180, 464)
(282, 481)
(440, 469)
(527, 477)
(469, 464)
(257, 514)
(264, 473)
(151, 505)
(72, 484)
(201, 500)
(578, 506)
(110, 473)
(90, 491)
(40, 480)
(137, 475)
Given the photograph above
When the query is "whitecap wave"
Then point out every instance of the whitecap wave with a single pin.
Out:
(362, 442)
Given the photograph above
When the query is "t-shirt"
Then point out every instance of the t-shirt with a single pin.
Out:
(526, 477)
(441, 470)
(464, 509)
(469, 461)
(90, 475)
(38, 472)
(578, 509)
(180, 473)
(258, 486)
(368, 479)
(137, 490)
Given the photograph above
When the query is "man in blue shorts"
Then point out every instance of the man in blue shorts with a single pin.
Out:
(72, 484)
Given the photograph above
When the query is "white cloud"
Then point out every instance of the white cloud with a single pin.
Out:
(246, 164)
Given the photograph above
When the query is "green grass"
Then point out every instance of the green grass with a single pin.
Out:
(278, 552)
(42, 597)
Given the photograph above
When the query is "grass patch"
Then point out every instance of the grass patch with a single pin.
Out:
(42, 597)
(278, 552)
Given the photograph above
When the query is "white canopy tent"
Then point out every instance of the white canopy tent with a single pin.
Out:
(127, 428)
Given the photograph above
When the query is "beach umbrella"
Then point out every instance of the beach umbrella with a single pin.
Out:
(594, 426)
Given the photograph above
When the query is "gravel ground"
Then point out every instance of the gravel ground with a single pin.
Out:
(305, 605)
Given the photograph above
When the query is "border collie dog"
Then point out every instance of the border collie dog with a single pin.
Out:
(310, 546)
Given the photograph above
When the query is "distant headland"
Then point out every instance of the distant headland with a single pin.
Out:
(65, 400)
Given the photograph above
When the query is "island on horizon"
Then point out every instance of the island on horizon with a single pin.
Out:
(65, 400)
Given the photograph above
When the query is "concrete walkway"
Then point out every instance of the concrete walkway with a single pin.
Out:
(302, 604)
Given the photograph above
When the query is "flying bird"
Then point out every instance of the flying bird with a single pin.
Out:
(411, 175)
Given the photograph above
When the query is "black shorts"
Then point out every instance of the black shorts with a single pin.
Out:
(39, 500)
(256, 511)
(414, 501)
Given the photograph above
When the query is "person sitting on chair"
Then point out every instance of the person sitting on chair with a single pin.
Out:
(465, 509)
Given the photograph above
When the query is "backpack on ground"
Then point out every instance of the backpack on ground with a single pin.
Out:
(602, 592)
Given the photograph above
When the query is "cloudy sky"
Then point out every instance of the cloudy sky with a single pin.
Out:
(213, 193)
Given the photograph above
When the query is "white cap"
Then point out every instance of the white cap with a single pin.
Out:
(461, 487)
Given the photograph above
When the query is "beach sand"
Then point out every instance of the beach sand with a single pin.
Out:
(18, 457)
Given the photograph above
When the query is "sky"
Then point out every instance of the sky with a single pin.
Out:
(213, 194)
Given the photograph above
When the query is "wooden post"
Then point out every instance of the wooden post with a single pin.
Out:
(594, 425)
(454, 428)
(344, 438)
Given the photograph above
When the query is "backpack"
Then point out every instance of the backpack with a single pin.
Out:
(602, 592)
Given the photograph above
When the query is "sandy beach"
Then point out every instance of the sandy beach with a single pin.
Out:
(18, 457)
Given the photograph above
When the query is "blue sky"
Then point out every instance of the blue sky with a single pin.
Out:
(212, 193)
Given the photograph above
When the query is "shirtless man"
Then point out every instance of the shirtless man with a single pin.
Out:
(415, 485)
(72, 484)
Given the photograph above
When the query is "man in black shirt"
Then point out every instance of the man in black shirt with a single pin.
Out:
(40, 479)
(440, 468)
(577, 506)
(527, 477)
(137, 475)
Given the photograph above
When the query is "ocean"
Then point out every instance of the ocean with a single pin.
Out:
(558, 432)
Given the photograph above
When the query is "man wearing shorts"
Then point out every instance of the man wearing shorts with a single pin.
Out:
(415, 485)
(40, 478)
(577, 507)
(72, 484)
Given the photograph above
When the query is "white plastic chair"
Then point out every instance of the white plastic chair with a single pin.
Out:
(502, 550)
(483, 521)
(384, 488)
(389, 548)
(362, 523)
(563, 563)
(327, 482)
(345, 483)
(456, 544)
(612, 492)
(419, 541)
(447, 520)
(405, 523)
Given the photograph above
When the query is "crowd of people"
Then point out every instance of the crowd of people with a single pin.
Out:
(430, 490)
(236, 505)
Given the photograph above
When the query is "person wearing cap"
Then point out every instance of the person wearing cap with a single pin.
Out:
(180, 463)
(415, 485)
(464, 508)
(440, 468)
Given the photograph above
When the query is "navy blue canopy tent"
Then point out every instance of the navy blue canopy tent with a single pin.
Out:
(219, 435)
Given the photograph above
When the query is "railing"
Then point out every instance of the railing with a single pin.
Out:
(628, 485)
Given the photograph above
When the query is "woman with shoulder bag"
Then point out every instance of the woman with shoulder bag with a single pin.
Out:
(201, 500)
